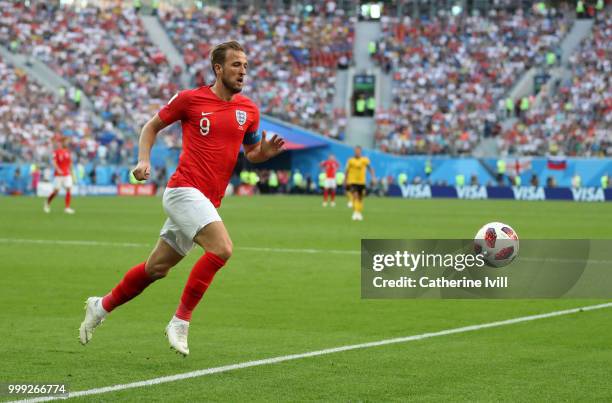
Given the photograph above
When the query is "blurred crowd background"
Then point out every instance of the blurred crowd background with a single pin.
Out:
(451, 73)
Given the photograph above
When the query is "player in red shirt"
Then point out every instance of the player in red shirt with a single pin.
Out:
(216, 120)
(62, 164)
(331, 166)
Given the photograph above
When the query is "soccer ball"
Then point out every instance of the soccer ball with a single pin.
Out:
(498, 242)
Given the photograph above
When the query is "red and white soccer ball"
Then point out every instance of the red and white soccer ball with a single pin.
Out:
(498, 242)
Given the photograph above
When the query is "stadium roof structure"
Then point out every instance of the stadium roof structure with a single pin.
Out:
(295, 137)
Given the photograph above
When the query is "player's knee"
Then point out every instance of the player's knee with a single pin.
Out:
(157, 270)
(224, 249)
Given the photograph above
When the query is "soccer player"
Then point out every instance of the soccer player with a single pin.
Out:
(62, 163)
(356, 176)
(330, 165)
(216, 120)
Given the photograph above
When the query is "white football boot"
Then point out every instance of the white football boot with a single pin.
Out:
(177, 332)
(68, 210)
(94, 315)
(47, 208)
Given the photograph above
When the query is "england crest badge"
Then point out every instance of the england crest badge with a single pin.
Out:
(241, 117)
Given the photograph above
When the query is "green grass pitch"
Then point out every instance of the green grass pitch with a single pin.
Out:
(270, 303)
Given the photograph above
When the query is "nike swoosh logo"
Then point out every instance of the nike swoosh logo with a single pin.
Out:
(207, 113)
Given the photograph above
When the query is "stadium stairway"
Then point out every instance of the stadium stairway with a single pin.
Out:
(385, 95)
(360, 130)
(365, 31)
(525, 85)
(341, 96)
(42, 73)
(486, 148)
(159, 37)
(580, 30)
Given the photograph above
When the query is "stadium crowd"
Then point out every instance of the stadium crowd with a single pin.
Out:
(449, 76)
(293, 57)
(450, 73)
(32, 119)
(573, 118)
(103, 52)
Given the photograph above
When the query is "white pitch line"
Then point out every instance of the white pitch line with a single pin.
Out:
(563, 260)
(261, 249)
(74, 243)
(139, 245)
(274, 360)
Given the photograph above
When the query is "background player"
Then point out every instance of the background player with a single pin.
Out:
(330, 165)
(62, 164)
(216, 120)
(356, 176)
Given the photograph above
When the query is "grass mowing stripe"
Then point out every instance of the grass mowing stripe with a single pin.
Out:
(274, 360)
(290, 250)
(74, 243)
(139, 245)
(255, 249)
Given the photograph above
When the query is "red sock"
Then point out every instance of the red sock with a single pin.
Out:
(325, 194)
(68, 198)
(333, 195)
(132, 284)
(51, 196)
(199, 279)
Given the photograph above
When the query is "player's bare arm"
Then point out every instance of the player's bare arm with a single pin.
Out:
(265, 149)
(147, 139)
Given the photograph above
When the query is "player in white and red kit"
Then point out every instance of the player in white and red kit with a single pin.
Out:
(216, 121)
(62, 164)
(331, 166)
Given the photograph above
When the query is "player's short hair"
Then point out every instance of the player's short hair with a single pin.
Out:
(217, 55)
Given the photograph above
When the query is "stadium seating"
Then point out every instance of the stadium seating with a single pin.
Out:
(449, 75)
(450, 72)
(574, 119)
(103, 51)
(293, 58)
(31, 118)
